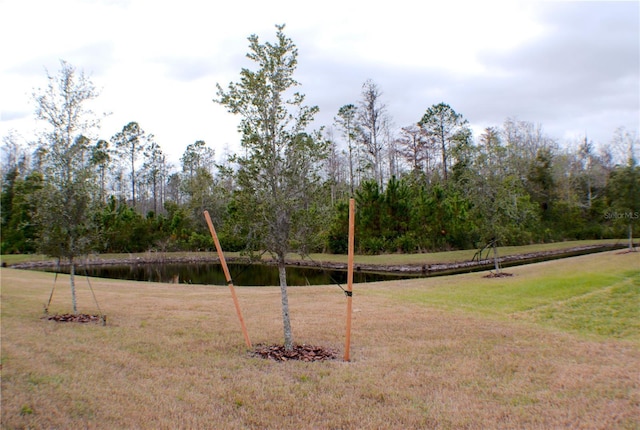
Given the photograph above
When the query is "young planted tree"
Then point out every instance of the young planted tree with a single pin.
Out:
(278, 177)
(64, 203)
(501, 208)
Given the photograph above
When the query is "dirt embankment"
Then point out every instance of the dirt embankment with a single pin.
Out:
(409, 269)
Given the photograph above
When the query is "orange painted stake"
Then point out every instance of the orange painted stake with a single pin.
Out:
(227, 275)
(349, 290)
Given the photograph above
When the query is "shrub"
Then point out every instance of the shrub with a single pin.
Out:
(372, 245)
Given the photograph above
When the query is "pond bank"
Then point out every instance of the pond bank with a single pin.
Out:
(433, 269)
(408, 269)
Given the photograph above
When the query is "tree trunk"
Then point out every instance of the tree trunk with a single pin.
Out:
(495, 257)
(288, 336)
(350, 167)
(630, 237)
(443, 142)
(72, 280)
(133, 178)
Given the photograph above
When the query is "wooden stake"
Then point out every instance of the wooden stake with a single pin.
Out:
(349, 290)
(227, 275)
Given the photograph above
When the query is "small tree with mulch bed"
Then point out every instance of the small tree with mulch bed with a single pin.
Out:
(302, 352)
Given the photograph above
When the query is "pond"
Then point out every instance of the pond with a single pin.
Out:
(267, 275)
(241, 274)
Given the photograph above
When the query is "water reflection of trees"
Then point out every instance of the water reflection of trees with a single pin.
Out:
(242, 274)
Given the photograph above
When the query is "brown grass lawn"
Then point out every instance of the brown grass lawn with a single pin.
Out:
(173, 356)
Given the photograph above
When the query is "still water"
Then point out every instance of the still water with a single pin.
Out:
(241, 274)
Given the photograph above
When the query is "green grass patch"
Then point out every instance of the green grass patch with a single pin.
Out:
(597, 299)
(11, 259)
(610, 311)
(510, 295)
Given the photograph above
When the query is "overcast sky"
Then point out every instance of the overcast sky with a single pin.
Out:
(573, 67)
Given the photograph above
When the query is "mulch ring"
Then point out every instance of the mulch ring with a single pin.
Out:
(79, 318)
(498, 275)
(299, 352)
(627, 251)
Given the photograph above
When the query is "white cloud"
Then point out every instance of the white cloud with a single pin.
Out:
(569, 66)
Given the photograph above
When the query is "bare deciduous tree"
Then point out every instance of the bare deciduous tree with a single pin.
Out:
(372, 120)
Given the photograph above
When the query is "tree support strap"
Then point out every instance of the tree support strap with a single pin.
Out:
(103, 317)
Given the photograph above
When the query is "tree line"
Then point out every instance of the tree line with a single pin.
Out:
(424, 187)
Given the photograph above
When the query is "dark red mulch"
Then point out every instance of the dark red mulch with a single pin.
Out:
(80, 318)
(498, 275)
(299, 352)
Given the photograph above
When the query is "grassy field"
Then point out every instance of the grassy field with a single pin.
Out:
(556, 345)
